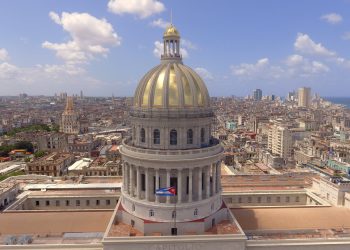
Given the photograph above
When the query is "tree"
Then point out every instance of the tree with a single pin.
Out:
(39, 154)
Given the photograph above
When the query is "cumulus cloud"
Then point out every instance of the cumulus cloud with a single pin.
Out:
(8, 71)
(140, 8)
(261, 69)
(158, 50)
(294, 66)
(90, 37)
(297, 65)
(304, 44)
(4, 56)
(204, 73)
(160, 23)
(332, 18)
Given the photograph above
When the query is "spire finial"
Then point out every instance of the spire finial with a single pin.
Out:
(171, 16)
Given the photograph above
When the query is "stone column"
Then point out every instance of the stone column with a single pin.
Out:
(219, 176)
(214, 179)
(138, 183)
(168, 184)
(131, 184)
(147, 187)
(190, 185)
(199, 183)
(157, 184)
(207, 181)
(179, 186)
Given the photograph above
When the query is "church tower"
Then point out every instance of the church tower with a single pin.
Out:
(70, 119)
(171, 147)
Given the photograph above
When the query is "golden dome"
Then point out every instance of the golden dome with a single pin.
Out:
(171, 85)
(171, 31)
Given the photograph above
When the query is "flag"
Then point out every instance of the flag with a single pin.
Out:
(170, 191)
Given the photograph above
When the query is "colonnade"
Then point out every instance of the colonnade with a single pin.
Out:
(193, 184)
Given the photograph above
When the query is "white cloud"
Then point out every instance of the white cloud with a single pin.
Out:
(90, 37)
(260, 69)
(55, 17)
(294, 66)
(160, 23)
(4, 56)
(8, 71)
(158, 50)
(140, 8)
(304, 44)
(204, 73)
(346, 35)
(188, 44)
(332, 18)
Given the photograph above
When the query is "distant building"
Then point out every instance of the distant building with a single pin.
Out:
(230, 125)
(304, 97)
(280, 141)
(257, 94)
(54, 164)
(52, 141)
(70, 119)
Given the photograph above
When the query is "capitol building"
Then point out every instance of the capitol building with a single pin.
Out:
(171, 146)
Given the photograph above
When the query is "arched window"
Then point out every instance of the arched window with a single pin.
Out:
(173, 137)
(156, 136)
(195, 213)
(173, 214)
(202, 135)
(151, 213)
(190, 136)
(142, 135)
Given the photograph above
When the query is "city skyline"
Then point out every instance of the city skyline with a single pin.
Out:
(104, 47)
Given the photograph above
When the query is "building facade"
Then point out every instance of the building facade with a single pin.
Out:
(280, 141)
(304, 97)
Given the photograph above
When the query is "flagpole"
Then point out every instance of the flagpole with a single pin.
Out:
(175, 213)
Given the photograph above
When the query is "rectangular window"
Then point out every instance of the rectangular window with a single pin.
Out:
(154, 184)
(37, 203)
(47, 203)
(108, 202)
(259, 199)
(77, 203)
(203, 178)
(67, 202)
(143, 182)
(239, 199)
(87, 202)
(287, 199)
(297, 199)
(187, 185)
(57, 203)
(249, 199)
(278, 199)
(173, 183)
(268, 199)
(97, 202)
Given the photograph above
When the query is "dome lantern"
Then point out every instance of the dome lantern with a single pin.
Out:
(171, 44)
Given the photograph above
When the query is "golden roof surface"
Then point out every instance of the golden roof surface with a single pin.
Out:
(171, 31)
(171, 85)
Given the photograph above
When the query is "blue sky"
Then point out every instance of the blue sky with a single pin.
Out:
(105, 47)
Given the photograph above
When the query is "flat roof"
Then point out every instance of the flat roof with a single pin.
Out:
(54, 222)
(300, 218)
